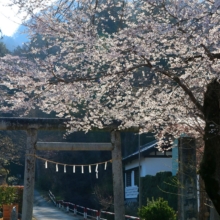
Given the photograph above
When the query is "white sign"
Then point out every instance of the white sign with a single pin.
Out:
(131, 192)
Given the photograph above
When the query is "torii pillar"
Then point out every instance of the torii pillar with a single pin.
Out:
(31, 125)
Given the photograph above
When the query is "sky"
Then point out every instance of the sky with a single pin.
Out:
(9, 19)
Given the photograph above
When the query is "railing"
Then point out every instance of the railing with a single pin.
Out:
(85, 212)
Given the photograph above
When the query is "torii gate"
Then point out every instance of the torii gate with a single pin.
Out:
(32, 125)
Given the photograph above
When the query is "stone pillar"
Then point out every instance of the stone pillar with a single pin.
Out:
(188, 204)
(118, 186)
(214, 214)
(29, 175)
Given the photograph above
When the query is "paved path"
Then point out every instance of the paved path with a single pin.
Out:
(45, 210)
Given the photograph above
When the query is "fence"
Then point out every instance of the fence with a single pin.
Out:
(87, 213)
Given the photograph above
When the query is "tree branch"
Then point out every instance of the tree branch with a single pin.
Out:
(184, 87)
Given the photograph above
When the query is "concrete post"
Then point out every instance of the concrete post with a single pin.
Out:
(118, 187)
(29, 175)
(188, 203)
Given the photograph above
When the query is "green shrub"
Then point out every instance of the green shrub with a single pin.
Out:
(157, 210)
(163, 185)
(7, 195)
(11, 195)
(19, 197)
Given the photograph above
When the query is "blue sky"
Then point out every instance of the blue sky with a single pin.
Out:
(9, 19)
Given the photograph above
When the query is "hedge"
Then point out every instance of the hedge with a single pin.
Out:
(163, 185)
(11, 195)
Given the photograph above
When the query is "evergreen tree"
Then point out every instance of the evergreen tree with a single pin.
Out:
(3, 49)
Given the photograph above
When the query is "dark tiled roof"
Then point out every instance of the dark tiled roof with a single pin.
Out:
(143, 148)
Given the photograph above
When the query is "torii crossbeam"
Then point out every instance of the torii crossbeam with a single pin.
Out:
(32, 125)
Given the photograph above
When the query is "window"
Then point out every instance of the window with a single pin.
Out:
(128, 178)
(132, 177)
(136, 176)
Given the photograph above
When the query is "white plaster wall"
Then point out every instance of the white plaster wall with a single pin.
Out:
(151, 166)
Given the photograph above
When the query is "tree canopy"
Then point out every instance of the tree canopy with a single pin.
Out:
(151, 74)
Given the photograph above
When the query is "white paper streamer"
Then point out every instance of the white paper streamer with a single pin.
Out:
(82, 169)
(96, 170)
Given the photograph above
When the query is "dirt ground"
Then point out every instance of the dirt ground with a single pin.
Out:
(32, 218)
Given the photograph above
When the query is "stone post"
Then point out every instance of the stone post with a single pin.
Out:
(14, 215)
(188, 204)
(118, 186)
(29, 175)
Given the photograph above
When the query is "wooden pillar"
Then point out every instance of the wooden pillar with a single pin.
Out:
(188, 204)
(29, 175)
(118, 187)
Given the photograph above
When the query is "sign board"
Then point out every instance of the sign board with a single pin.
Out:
(131, 192)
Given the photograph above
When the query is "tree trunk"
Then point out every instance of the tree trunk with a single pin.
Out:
(213, 213)
(29, 175)
(118, 185)
(210, 165)
(204, 208)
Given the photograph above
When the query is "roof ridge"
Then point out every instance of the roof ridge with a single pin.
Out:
(143, 148)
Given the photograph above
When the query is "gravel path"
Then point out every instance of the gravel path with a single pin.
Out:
(45, 210)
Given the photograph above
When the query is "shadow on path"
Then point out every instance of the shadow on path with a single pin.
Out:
(45, 210)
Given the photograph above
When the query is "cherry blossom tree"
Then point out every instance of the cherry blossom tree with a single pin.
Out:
(158, 70)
